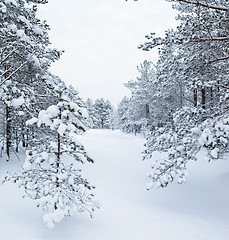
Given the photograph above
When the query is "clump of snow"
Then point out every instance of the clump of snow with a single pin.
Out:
(37, 30)
(12, 27)
(196, 131)
(8, 83)
(53, 110)
(49, 221)
(21, 35)
(27, 165)
(31, 121)
(46, 116)
(180, 148)
(207, 138)
(84, 112)
(214, 152)
(18, 102)
(14, 89)
(62, 128)
(21, 113)
(51, 218)
(65, 113)
(33, 59)
(74, 106)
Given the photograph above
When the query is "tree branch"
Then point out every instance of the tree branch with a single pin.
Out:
(222, 86)
(8, 55)
(210, 39)
(204, 5)
(16, 70)
(219, 59)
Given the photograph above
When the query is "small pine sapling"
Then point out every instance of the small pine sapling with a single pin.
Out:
(50, 174)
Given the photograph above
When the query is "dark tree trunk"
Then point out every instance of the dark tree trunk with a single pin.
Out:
(58, 154)
(58, 158)
(27, 138)
(17, 140)
(181, 95)
(8, 132)
(212, 98)
(195, 97)
(147, 110)
(23, 138)
(203, 96)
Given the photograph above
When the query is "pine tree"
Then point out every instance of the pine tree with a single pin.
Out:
(92, 116)
(50, 174)
(25, 59)
(192, 73)
(103, 110)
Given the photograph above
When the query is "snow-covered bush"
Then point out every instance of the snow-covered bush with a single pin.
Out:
(214, 136)
(182, 142)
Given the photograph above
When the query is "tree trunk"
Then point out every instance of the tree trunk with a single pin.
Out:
(58, 153)
(195, 97)
(147, 110)
(203, 95)
(23, 138)
(58, 159)
(212, 99)
(27, 138)
(8, 132)
(181, 95)
(16, 140)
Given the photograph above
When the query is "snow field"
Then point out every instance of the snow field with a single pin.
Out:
(197, 210)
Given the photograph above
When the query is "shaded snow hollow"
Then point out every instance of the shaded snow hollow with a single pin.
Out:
(197, 210)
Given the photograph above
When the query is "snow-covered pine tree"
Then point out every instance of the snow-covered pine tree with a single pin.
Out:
(143, 95)
(24, 58)
(103, 110)
(92, 116)
(122, 121)
(194, 58)
(51, 174)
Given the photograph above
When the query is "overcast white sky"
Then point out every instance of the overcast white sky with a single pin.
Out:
(100, 39)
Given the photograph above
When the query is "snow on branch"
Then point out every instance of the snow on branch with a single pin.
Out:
(16, 70)
(210, 39)
(197, 3)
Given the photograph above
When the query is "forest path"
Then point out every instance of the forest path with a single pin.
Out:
(190, 211)
(197, 210)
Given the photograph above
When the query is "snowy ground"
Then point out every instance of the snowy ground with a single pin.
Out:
(197, 210)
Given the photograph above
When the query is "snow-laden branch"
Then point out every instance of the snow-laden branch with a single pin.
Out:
(197, 3)
(16, 70)
(4, 59)
(211, 39)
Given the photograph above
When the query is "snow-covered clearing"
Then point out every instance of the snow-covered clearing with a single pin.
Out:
(197, 210)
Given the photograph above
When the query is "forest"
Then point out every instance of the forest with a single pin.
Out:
(179, 105)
